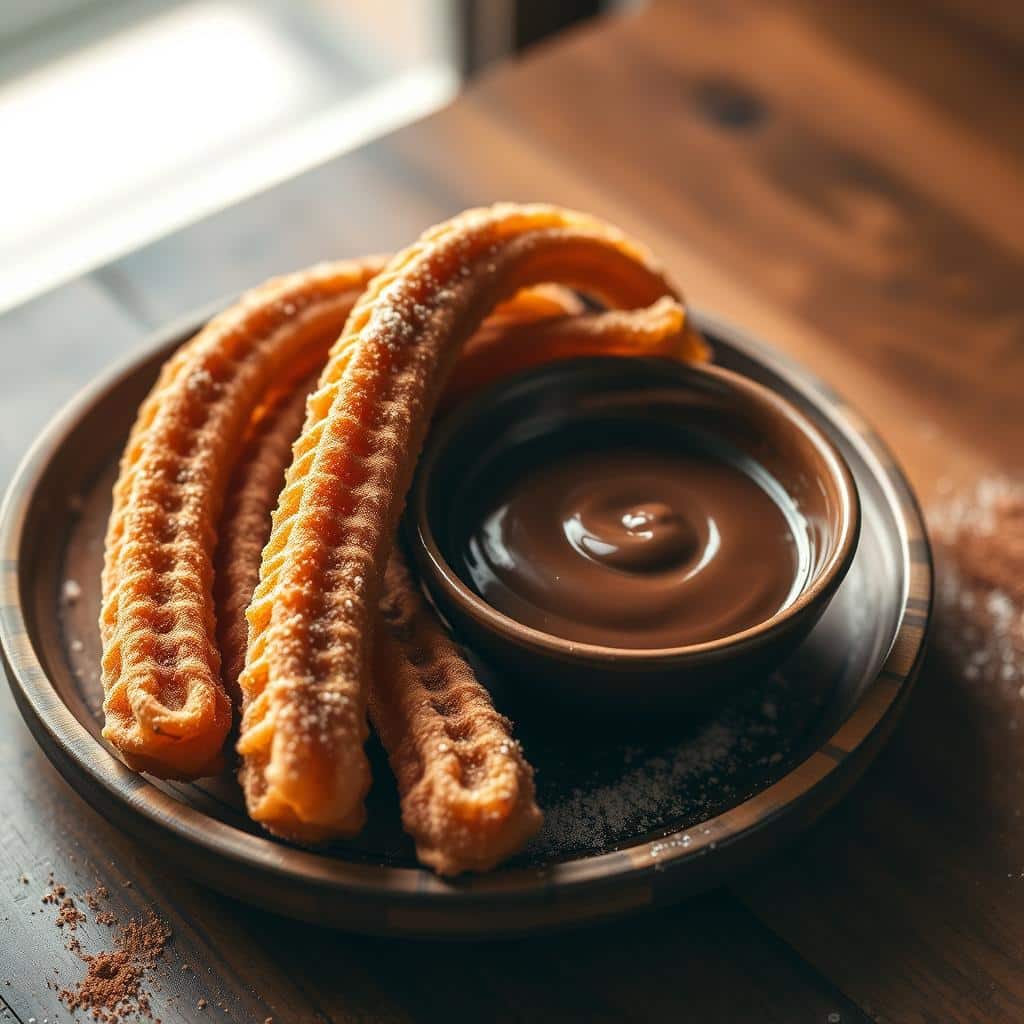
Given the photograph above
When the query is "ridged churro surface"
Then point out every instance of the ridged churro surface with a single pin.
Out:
(267, 452)
(466, 792)
(311, 618)
(245, 522)
(500, 349)
(166, 710)
(466, 789)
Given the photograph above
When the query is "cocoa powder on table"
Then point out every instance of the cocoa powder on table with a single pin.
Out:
(68, 915)
(112, 986)
(94, 896)
(112, 989)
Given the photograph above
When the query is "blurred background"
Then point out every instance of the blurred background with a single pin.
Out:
(124, 119)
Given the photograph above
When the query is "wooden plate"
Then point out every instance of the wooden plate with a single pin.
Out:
(635, 816)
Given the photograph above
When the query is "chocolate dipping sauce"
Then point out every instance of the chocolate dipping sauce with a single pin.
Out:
(630, 545)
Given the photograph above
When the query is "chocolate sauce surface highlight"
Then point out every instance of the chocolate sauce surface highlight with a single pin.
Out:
(635, 545)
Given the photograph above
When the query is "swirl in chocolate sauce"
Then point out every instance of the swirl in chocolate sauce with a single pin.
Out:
(610, 527)
(632, 547)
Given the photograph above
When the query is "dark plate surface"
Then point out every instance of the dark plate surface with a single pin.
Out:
(635, 816)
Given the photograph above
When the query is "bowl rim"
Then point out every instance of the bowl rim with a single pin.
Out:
(821, 585)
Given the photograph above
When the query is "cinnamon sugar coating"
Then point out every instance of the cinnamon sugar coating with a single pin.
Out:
(166, 710)
(465, 789)
(499, 349)
(267, 453)
(245, 521)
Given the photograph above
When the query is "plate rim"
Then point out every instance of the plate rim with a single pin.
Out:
(36, 695)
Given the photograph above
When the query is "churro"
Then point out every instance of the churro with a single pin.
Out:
(311, 617)
(245, 521)
(500, 349)
(466, 791)
(166, 710)
(266, 451)
(465, 788)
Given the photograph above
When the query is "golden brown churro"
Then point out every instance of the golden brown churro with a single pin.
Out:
(304, 725)
(267, 452)
(466, 791)
(165, 707)
(245, 521)
(498, 350)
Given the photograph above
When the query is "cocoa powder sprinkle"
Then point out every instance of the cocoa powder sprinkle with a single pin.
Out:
(93, 896)
(112, 986)
(112, 990)
(69, 915)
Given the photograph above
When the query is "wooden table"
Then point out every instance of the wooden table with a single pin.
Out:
(846, 180)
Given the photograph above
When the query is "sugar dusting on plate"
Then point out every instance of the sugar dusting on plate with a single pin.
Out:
(649, 790)
(708, 765)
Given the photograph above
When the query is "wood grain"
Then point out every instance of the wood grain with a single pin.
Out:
(846, 180)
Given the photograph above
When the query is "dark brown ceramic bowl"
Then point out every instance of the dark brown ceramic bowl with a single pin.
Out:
(707, 407)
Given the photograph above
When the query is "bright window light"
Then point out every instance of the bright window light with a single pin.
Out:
(164, 122)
